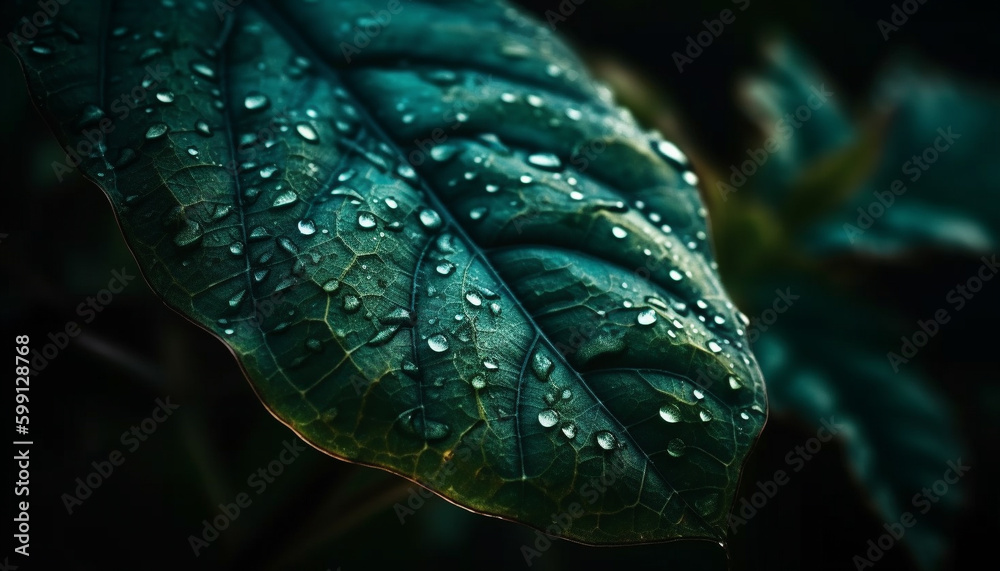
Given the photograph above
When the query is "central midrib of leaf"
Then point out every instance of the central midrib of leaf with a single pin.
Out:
(276, 19)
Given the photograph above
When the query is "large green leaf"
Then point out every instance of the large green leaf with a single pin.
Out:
(444, 252)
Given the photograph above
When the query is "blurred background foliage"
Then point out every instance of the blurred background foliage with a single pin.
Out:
(782, 229)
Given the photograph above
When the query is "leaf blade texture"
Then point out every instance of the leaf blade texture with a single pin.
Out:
(434, 245)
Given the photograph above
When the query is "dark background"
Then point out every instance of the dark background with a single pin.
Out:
(63, 244)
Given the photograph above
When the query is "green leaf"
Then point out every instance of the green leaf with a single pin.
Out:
(444, 252)
(824, 363)
(941, 206)
(828, 167)
(800, 116)
(830, 181)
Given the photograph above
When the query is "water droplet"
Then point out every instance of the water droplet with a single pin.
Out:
(157, 130)
(478, 213)
(189, 235)
(284, 199)
(331, 286)
(443, 152)
(495, 308)
(618, 232)
(236, 248)
(534, 100)
(690, 178)
(714, 347)
(542, 366)
(203, 128)
(548, 418)
(490, 365)
(438, 343)
(445, 268)
(255, 101)
(735, 383)
(474, 299)
(676, 447)
(705, 415)
(203, 69)
(165, 96)
(430, 219)
(646, 317)
(574, 114)
(670, 151)
(442, 76)
(125, 158)
(90, 115)
(744, 416)
(670, 413)
(285, 283)
(546, 161)
(307, 227)
(569, 430)
(698, 394)
(676, 276)
(478, 382)
(576, 195)
(413, 422)
(237, 299)
(366, 220)
(307, 132)
(606, 440)
(351, 303)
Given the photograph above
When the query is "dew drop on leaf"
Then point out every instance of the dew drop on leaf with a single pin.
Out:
(307, 227)
(670, 413)
(438, 343)
(366, 220)
(646, 317)
(676, 447)
(606, 440)
(430, 219)
(548, 418)
(255, 101)
(542, 366)
(157, 130)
